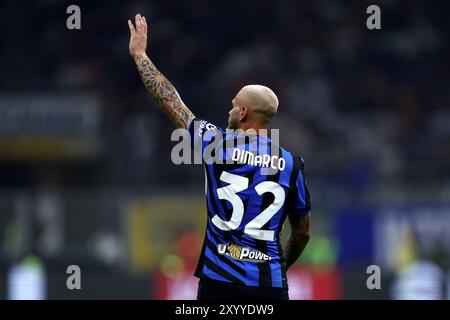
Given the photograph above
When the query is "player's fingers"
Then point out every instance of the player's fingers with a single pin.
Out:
(130, 25)
(145, 23)
(141, 20)
(141, 23)
(137, 19)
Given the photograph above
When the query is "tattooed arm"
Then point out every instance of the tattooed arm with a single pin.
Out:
(162, 91)
(298, 239)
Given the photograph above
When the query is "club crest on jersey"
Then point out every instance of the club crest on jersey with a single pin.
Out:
(242, 253)
(205, 125)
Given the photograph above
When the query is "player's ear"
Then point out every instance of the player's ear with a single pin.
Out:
(244, 114)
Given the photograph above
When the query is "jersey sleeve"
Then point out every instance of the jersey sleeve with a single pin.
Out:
(202, 133)
(302, 200)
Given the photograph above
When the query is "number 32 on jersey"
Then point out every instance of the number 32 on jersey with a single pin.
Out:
(253, 229)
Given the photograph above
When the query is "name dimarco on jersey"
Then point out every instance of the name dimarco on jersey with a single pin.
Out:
(264, 161)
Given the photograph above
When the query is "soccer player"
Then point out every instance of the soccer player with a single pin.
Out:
(241, 257)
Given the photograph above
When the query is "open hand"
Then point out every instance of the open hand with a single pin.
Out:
(138, 36)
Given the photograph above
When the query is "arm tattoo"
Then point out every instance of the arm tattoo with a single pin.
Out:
(164, 93)
(298, 240)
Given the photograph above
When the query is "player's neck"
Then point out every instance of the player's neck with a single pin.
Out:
(256, 129)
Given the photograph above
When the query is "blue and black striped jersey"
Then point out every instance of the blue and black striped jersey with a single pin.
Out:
(251, 185)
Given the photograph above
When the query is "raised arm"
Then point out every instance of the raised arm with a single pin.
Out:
(162, 91)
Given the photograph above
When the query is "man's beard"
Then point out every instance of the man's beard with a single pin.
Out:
(232, 125)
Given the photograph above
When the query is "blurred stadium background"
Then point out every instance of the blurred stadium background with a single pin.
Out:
(85, 172)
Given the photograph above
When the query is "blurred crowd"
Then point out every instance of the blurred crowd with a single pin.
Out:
(366, 108)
